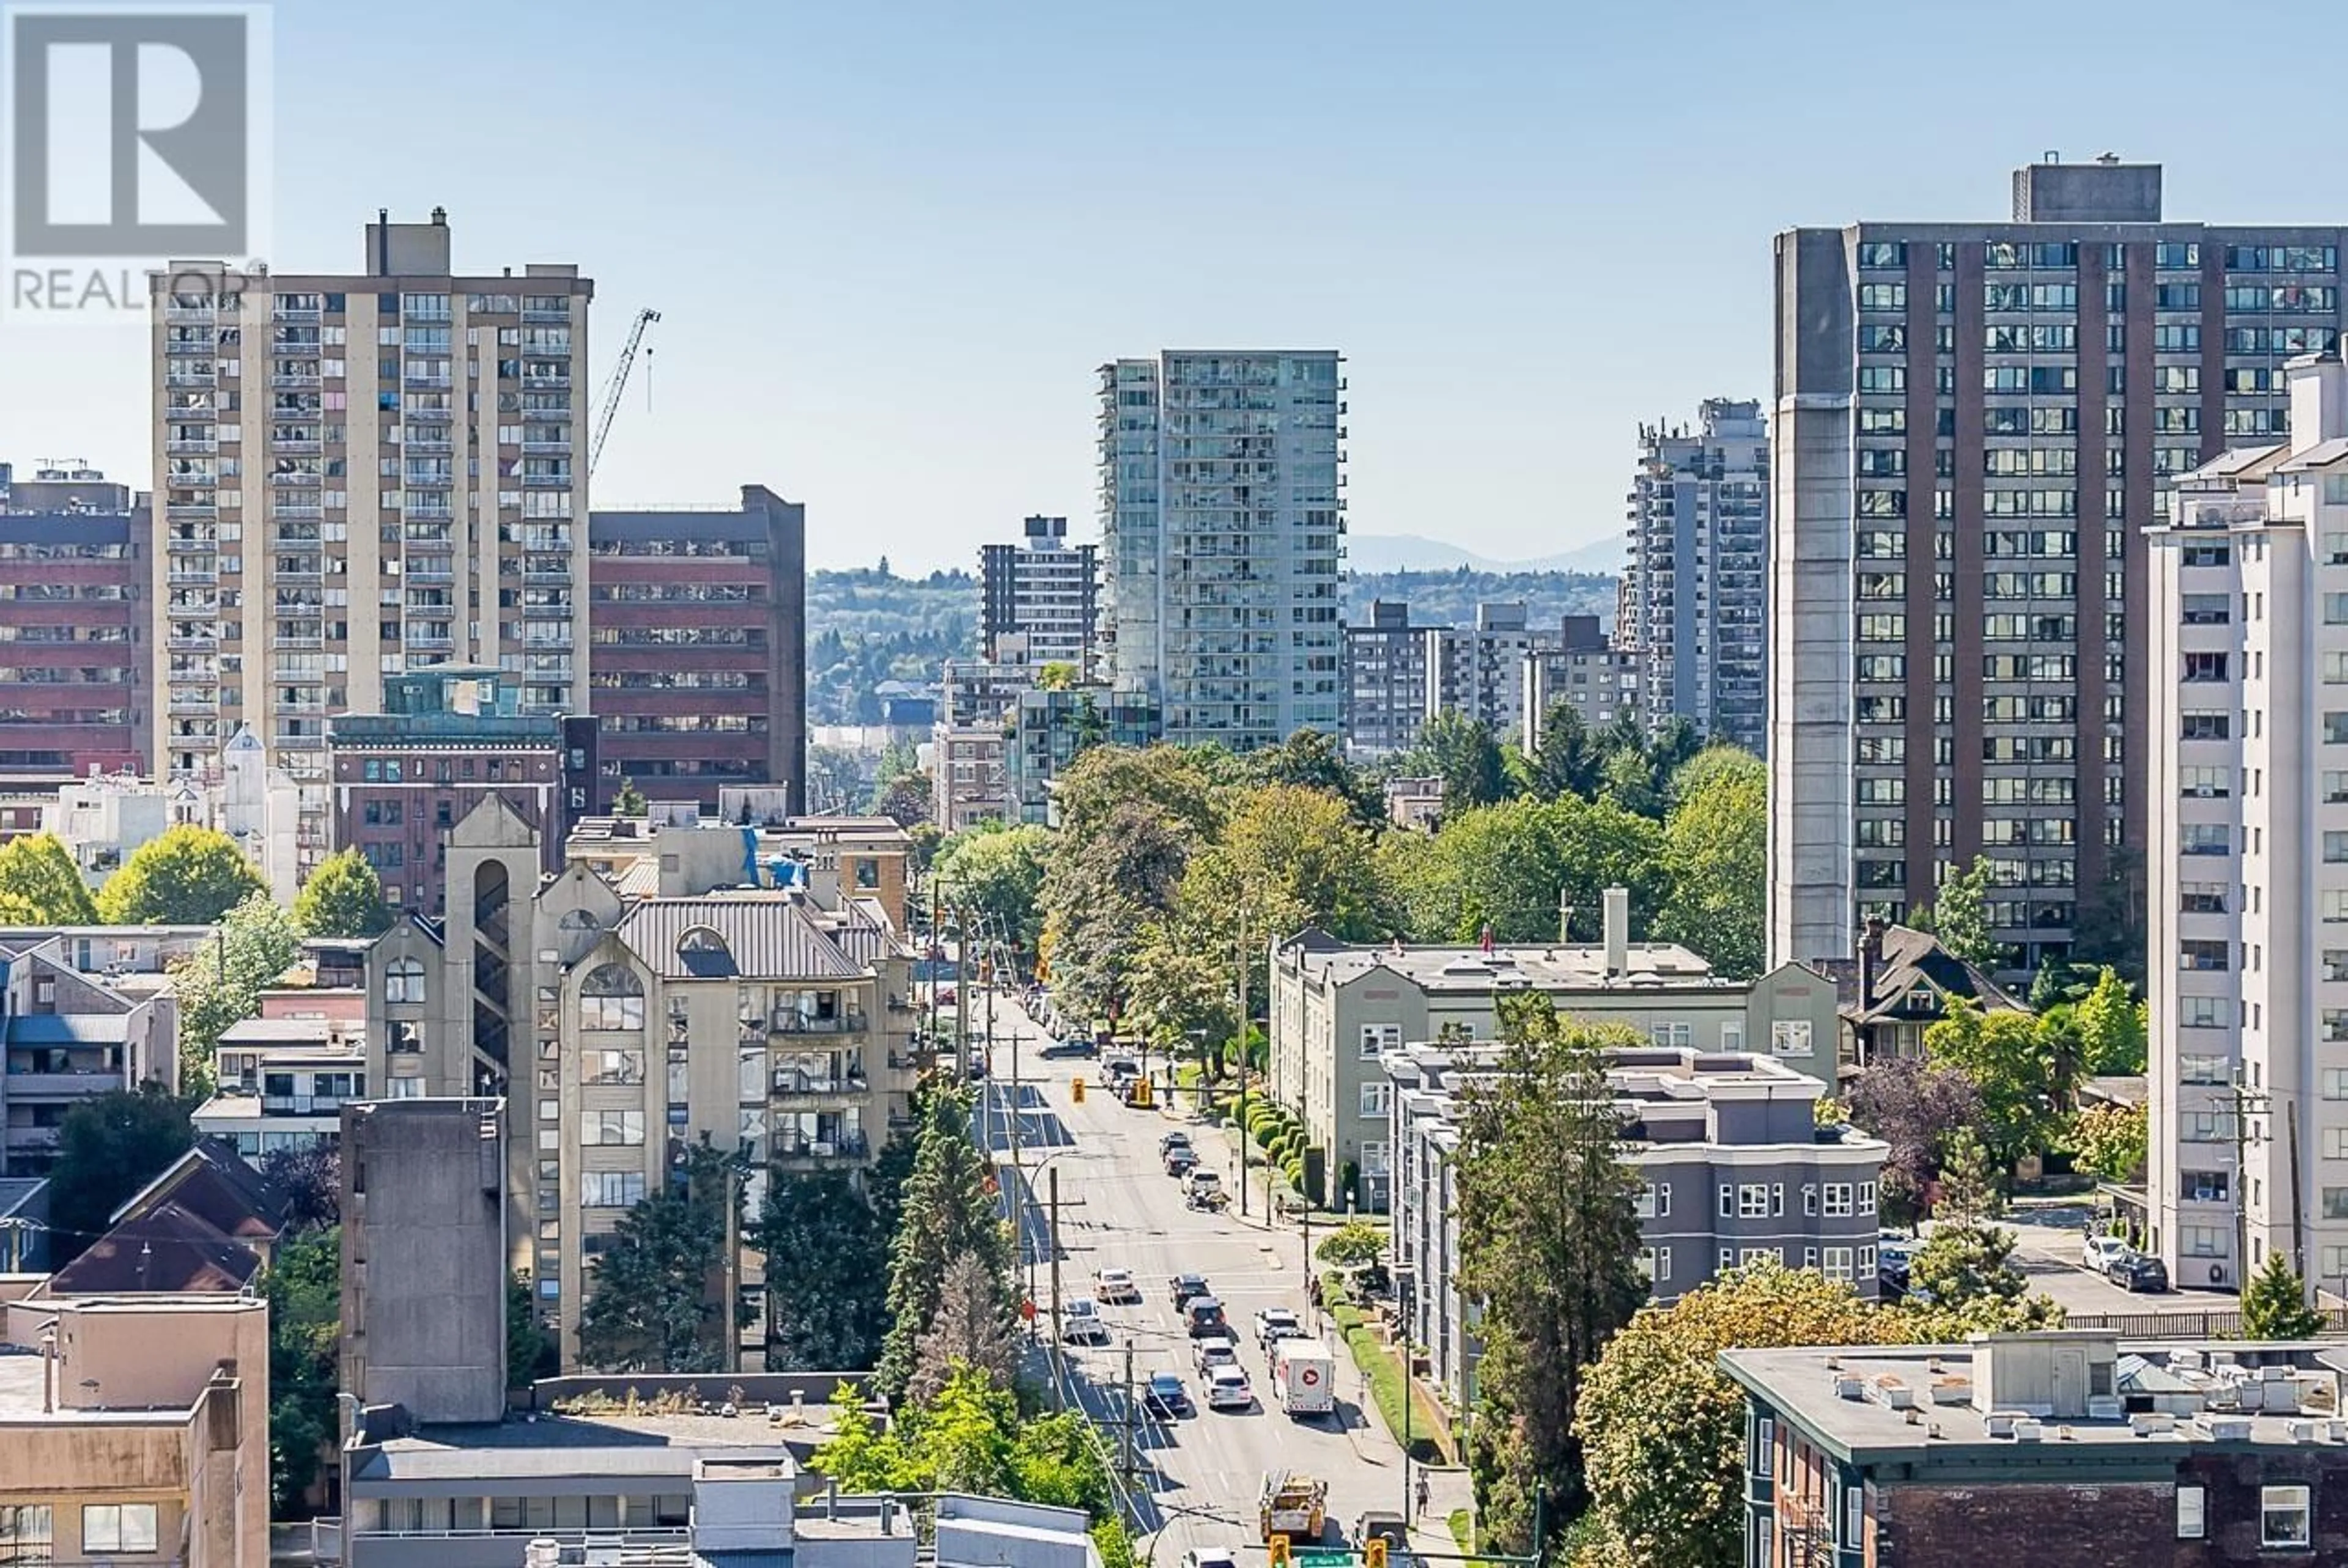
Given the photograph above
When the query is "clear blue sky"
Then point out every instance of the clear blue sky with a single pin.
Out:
(892, 241)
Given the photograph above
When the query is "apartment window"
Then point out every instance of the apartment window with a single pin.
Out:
(2204, 1012)
(1789, 1037)
(2203, 1069)
(2332, 906)
(2334, 1082)
(1378, 1037)
(2283, 1516)
(611, 1189)
(402, 981)
(1653, 1202)
(130, 1526)
(1376, 1099)
(617, 1129)
(2203, 1186)
(1748, 1256)
(2192, 1514)
(1810, 1199)
(1838, 1263)
(613, 997)
(1655, 1262)
(2201, 1241)
(1679, 1036)
(2205, 783)
(1867, 1197)
(2203, 838)
(1377, 1161)
(614, 1066)
(1752, 1201)
(1838, 1200)
(1727, 1201)
(2336, 1203)
(27, 1534)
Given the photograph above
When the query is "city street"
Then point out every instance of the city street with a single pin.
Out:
(1197, 1477)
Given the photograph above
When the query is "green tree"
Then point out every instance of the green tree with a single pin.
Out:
(1664, 1430)
(220, 986)
(1504, 867)
(826, 1273)
(188, 877)
(1550, 1246)
(1178, 990)
(950, 1211)
(1173, 781)
(1914, 1106)
(2274, 1305)
(904, 799)
(656, 1298)
(1568, 759)
(2110, 1142)
(2112, 1028)
(629, 801)
(531, 1351)
(1056, 675)
(1106, 885)
(1716, 845)
(1959, 916)
(342, 897)
(1962, 1281)
(1311, 760)
(38, 873)
(2028, 1074)
(1354, 1243)
(1461, 752)
(1286, 857)
(304, 1287)
(109, 1146)
(997, 872)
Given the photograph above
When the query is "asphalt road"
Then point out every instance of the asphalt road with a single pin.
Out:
(1196, 1479)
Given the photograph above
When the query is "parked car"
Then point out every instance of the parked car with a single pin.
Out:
(1181, 1159)
(1210, 1557)
(1080, 1322)
(2101, 1252)
(1214, 1351)
(1203, 1316)
(1176, 1138)
(1184, 1287)
(2139, 1272)
(1228, 1389)
(1069, 1045)
(1114, 1286)
(1891, 1261)
(1165, 1396)
(978, 1064)
(1116, 1070)
(1276, 1323)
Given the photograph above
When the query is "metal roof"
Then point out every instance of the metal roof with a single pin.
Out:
(765, 937)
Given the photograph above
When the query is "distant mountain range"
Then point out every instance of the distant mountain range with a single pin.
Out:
(1411, 553)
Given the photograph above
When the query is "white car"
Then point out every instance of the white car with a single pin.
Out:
(1113, 1285)
(1216, 1352)
(1210, 1557)
(1273, 1323)
(1227, 1390)
(1080, 1322)
(2101, 1252)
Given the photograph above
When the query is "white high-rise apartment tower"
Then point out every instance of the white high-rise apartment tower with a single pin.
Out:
(1221, 517)
(361, 474)
(2247, 902)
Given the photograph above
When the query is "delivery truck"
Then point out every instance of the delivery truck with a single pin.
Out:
(1304, 1376)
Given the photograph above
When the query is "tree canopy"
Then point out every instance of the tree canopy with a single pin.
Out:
(1716, 844)
(950, 1211)
(826, 1273)
(1959, 916)
(41, 886)
(656, 1300)
(109, 1146)
(2274, 1305)
(189, 876)
(342, 897)
(997, 872)
(1550, 1243)
(219, 986)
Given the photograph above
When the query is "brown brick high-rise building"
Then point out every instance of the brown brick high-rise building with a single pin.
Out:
(74, 624)
(1974, 424)
(697, 619)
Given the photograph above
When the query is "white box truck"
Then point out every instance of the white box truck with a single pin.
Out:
(1304, 1376)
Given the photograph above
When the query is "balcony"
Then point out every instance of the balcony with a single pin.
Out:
(194, 707)
(191, 445)
(542, 380)
(299, 511)
(430, 415)
(23, 1085)
(191, 372)
(428, 441)
(191, 576)
(545, 481)
(434, 570)
(784, 1021)
(295, 445)
(297, 479)
(302, 1104)
(295, 381)
(281, 311)
(191, 642)
(204, 546)
(552, 448)
(790, 1149)
(794, 1086)
(192, 312)
(558, 314)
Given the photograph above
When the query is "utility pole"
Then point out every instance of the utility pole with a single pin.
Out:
(1059, 1394)
(1241, 975)
(961, 993)
(2298, 1208)
(2247, 1102)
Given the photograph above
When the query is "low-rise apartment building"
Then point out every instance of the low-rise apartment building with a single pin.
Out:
(69, 1035)
(2061, 1449)
(746, 984)
(1733, 1170)
(1337, 1008)
(135, 1430)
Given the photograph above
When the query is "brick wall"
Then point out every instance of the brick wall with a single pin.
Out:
(1927, 1525)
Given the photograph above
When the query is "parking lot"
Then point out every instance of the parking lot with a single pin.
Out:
(2048, 1242)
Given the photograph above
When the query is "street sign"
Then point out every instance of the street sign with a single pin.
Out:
(1324, 1559)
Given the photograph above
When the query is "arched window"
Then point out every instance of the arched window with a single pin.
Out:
(579, 920)
(611, 998)
(704, 953)
(403, 980)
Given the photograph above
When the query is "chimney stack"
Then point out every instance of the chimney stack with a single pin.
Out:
(1870, 958)
(1618, 931)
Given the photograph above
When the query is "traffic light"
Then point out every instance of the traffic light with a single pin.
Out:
(1076, 1091)
(1374, 1552)
(1276, 1549)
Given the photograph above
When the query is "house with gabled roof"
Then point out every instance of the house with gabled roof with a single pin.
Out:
(1900, 984)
